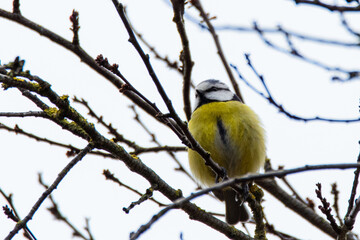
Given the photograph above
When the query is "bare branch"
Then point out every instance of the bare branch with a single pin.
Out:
(87, 131)
(333, 8)
(77, 50)
(110, 176)
(264, 181)
(71, 152)
(24, 114)
(270, 228)
(87, 229)
(178, 204)
(326, 209)
(347, 26)
(55, 211)
(211, 29)
(335, 192)
(120, 138)
(295, 205)
(296, 53)
(295, 194)
(74, 18)
(185, 56)
(159, 149)
(147, 195)
(186, 137)
(267, 95)
(154, 139)
(45, 194)
(279, 29)
(353, 211)
(16, 7)
(13, 215)
(171, 64)
(350, 221)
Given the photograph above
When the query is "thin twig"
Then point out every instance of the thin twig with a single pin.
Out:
(16, 7)
(87, 229)
(296, 206)
(231, 182)
(353, 190)
(185, 56)
(113, 131)
(169, 63)
(296, 53)
(347, 26)
(270, 228)
(297, 196)
(115, 80)
(137, 166)
(82, 54)
(45, 194)
(279, 29)
(74, 18)
(110, 176)
(334, 8)
(326, 209)
(24, 114)
(71, 149)
(350, 210)
(55, 211)
(267, 95)
(12, 213)
(147, 195)
(120, 138)
(146, 61)
(154, 139)
(335, 193)
(63, 112)
(350, 221)
(186, 136)
(204, 15)
(176, 204)
(165, 148)
(306, 168)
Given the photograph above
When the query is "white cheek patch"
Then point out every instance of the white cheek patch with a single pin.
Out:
(221, 95)
(197, 102)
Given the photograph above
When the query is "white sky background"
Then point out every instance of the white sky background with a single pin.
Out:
(302, 88)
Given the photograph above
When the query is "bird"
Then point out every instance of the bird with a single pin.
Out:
(233, 135)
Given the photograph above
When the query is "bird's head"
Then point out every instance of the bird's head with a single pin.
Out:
(213, 91)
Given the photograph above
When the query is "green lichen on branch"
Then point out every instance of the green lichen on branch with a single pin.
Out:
(10, 82)
(73, 126)
(52, 112)
(58, 116)
(256, 195)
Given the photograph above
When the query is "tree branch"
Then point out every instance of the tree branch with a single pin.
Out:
(186, 138)
(48, 191)
(185, 55)
(204, 15)
(333, 8)
(268, 96)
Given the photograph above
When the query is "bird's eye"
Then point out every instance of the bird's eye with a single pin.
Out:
(212, 89)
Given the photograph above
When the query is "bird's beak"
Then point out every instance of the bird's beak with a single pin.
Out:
(198, 93)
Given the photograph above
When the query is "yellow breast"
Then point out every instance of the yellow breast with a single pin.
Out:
(233, 135)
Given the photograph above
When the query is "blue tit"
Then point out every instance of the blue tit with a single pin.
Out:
(233, 134)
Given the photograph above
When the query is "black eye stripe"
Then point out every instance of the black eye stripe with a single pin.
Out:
(214, 89)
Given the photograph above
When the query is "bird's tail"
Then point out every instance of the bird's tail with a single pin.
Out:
(235, 212)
